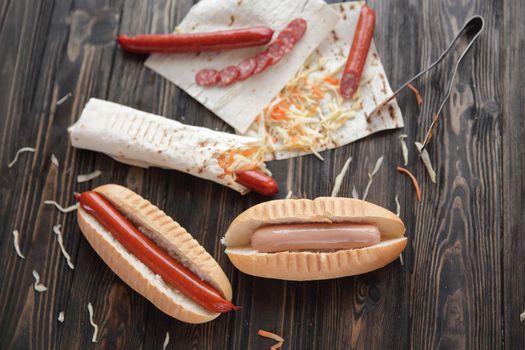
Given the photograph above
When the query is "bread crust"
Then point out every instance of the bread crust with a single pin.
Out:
(311, 265)
(172, 238)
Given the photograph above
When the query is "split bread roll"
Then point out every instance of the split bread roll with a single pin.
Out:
(170, 237)
(311, 264)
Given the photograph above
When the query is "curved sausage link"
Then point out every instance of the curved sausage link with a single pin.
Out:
(357, 56)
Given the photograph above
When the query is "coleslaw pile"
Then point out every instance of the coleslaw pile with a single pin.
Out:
(306, 112)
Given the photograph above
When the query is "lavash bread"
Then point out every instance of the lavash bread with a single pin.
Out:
(311, 265)
(168, 235)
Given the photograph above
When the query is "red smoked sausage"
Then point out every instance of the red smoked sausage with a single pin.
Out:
(257, 182)
(358, 52)
(197, 42)
(285, 42)
(171, 271)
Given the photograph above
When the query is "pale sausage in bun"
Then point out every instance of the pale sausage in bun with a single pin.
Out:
(303, 239)
(153, 254)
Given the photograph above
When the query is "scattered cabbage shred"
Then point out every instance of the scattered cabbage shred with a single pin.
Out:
(404, 148)
(166, 341)
(16, 244)
(61, 317)
(39, 287)
(20, 151)
(54, 160)
(371, 175)
(61, 208)
(398, 206)
(60, 239)
(522, 316)
(423, 154)
(355, 195)
(95, 327)
(88, 177)
(339, 178)
(289, 195)
(64, 98)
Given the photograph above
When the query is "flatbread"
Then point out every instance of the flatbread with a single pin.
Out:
(143, 139)
(328, 60)
(240, 103)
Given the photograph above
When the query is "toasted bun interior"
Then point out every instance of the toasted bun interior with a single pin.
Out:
(138, 276)
(312, 265)
(322, 209)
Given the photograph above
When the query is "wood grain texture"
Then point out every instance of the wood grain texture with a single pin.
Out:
(461, 283)
(512, 234)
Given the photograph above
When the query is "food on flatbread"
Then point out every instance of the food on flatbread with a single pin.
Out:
(309, 114)
(302, 239)
(143, 139)
(358, 53)
(284, 43)
(197, 42)
(230, 102)
(153, 254)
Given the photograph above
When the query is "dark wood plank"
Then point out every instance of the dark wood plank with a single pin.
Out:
(454, 296)
(513, 256)
(456, 290)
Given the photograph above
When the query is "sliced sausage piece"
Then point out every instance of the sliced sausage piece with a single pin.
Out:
(229, 75)
(288, 37)
(298, 26)
(276, 51)
(208, 77)
(246, 68)
(263, 61)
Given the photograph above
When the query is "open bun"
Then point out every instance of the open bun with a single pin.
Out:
(312, 265)
(168, 235)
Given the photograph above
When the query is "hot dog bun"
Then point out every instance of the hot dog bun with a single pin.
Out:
(171, 237)
(311, 265)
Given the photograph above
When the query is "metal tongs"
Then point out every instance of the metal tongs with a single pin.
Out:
(472, 28)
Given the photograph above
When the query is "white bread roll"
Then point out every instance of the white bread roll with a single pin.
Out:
(171, 237)
(312, 265)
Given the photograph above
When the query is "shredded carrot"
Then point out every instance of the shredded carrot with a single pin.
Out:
(419, 99)
(318, 94)
(414, 181)
(280, 111)
(270, 335)
(222, 161)
(248, 152)
(332, 81)
(276, 346)
(430, 134)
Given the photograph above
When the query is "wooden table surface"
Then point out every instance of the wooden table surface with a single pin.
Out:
(461, 285)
